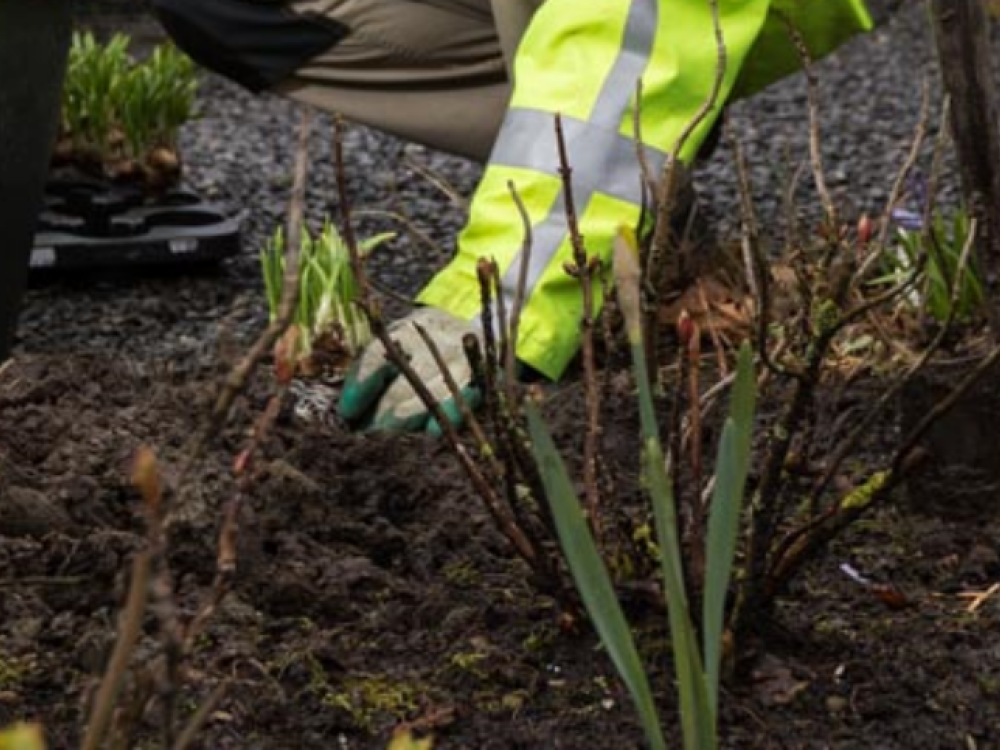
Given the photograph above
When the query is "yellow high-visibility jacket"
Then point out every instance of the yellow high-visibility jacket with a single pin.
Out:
(583, 60)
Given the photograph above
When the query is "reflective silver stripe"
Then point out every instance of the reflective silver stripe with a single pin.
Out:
(603, 161)
(637, 46)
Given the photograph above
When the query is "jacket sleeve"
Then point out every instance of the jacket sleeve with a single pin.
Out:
(584, 61)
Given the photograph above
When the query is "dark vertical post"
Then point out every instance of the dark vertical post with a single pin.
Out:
(34, 40)
(962, 34)
(963, 479)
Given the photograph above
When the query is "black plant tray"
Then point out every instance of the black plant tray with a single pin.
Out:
(92, 224)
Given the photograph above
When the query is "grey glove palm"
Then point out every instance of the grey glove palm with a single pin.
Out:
(378, 397)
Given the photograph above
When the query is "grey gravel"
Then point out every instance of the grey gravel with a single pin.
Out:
(239, 152)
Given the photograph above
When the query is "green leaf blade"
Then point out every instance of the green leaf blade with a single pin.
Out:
(697, 719)
(591, 576)
(732, 467)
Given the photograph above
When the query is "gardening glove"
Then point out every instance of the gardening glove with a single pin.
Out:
(376, 396)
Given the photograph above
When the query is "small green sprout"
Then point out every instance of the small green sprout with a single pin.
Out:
(328, 290)
(939, 246)
(155, 98)
(121, 117)
(94, 76)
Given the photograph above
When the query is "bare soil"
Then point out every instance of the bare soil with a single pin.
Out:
(372, 588)
(373, 591)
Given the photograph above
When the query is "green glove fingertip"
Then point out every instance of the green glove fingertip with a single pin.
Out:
(360, 395)
(389, 422)
(472, 397)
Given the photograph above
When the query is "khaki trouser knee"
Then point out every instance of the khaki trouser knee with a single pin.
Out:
(430, 71)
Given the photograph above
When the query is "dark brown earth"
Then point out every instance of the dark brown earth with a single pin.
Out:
(373, 590)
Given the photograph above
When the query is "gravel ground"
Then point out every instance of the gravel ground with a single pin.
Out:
(239, 152)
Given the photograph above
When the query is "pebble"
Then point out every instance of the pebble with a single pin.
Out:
(836, 704)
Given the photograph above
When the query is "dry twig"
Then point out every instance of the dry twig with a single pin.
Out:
(757, 270)
(151, 580)
(501, 514)
(444, 187)
(586, 269)
(815, 151)
(238, 378)
(129, 630)
(899, 183)
(510, 356)
(202, 715)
